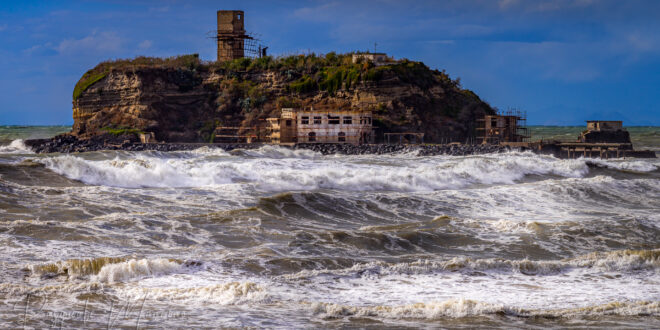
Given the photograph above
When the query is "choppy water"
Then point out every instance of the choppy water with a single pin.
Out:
(280, 238)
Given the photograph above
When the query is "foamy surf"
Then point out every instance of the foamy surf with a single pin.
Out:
(291, 238)
(16, 147)
(272, 173)
(623, 261)
(111, 269)
(458, 308)
(232, 293)
(136, 269)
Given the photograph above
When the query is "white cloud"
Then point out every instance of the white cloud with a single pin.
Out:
(544, 5)
(324, 12)
(144, 45)
(104, 42)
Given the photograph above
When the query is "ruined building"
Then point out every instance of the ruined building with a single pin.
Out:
(506, 127)
(233, 41)
(314, 126)
(378, 59)
(231, 35)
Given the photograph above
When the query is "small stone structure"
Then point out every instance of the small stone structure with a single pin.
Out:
(377, 59)
(316, 126)
(147, 137)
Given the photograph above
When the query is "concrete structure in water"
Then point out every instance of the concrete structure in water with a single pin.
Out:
(315, 126)
(231, 35)
(602, 131)
(604, 139)
(502, 128)
(604, 125)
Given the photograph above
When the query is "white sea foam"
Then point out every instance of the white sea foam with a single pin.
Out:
(434, 310)
(455, 308)
(232, 293)
(15, 147)
(345, 173)
(627, 165)
(137, 268)
(142, 171)
(271, 151)
(623, 261)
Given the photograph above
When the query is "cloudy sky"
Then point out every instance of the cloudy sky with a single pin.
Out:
(561, 61)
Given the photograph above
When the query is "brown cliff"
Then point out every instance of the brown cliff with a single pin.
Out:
(181, 99)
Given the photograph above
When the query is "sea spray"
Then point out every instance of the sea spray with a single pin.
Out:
(281, 174)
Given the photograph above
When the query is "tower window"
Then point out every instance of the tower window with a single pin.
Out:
(311, 137)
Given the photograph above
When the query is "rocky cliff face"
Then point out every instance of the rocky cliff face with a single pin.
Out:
(185, 103)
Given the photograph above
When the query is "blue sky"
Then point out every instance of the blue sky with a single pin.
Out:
(561, 61)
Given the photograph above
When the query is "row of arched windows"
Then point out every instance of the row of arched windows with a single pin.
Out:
(341, 137)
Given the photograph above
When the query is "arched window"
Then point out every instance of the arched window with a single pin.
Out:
(311, 137)
(341, 137)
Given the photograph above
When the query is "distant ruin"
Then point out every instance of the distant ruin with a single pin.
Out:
(233, 40)
(316, 126)
(507, 127)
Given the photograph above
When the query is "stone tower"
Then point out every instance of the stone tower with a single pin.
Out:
(231, 35)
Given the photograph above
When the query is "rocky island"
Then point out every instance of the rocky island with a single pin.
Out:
(183, 99)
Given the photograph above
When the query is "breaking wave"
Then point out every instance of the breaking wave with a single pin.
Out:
(135, 269)
(457, 308)
(617, 261)
(333, 172)
(233, 293)
(271, 151)
(13, 289)
(632, 166)
(109, 269)
(15, 147)
(74, 267)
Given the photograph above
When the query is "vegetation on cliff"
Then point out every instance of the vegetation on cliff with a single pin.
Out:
(404, 95)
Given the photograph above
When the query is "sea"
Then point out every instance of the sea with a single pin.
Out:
(281, 238)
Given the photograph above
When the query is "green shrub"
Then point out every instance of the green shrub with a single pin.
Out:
(303, 85)
(207, 130)
(117, 131)
(288, 102)
(88, 79)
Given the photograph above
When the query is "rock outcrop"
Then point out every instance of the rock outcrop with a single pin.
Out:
(183, 101)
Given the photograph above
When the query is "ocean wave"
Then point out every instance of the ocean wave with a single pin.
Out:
(15, 147)
(74, 267)
(15, 289)
(457, 308)
(277, 152)
(206, 151)
(136, 269)
(336, 172)
(233, 293)
(139, 172)
(110, 269)
(632, 166)
(616, 261)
